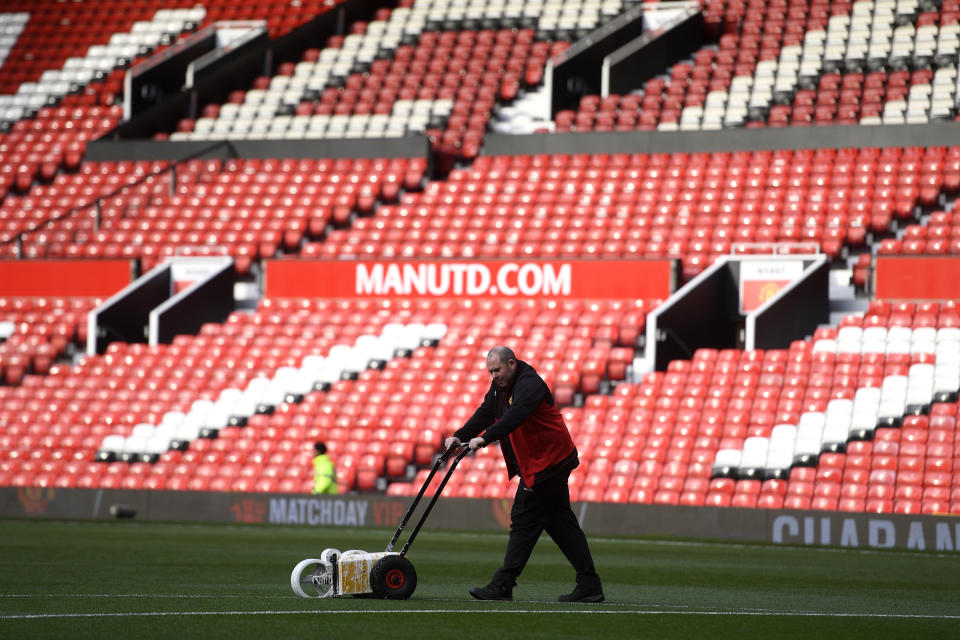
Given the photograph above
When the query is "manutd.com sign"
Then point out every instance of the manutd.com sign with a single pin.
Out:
(617, 279)
(463, 279)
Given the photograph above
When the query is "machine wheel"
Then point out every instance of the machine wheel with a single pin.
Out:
(393, 577)
(312, 578)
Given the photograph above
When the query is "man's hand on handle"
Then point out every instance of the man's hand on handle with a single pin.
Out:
(474, 444)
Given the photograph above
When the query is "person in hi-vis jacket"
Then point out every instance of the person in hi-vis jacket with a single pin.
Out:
(324, 475)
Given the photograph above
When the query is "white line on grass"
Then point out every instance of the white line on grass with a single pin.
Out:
(487, 612)
(153, 596)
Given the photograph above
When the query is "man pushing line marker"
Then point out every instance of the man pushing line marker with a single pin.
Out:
(519, 412)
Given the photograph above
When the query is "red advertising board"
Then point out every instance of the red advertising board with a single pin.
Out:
(93, 278)
(584, 279)
(917, 277)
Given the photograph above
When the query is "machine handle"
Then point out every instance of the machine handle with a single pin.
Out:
(436, 495)
(436, 467)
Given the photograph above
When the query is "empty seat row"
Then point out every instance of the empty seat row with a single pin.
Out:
(364, 85)
(35, 332)
(768, 68)
(292, 372)
(228, 208)
(769, 428)
(694, 207)
(99, 60)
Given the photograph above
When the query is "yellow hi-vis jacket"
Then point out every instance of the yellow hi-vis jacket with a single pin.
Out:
(324, 476)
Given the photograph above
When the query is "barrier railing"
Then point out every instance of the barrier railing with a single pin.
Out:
(97, 205)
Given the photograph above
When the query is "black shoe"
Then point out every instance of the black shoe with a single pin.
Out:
(579, 594)
(492, 592)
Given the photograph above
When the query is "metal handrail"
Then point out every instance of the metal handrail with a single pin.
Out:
(96, 204)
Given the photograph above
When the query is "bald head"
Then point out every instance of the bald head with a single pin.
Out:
(502, 365)
(501, 353)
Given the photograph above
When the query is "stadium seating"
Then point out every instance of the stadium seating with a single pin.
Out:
(859, 417)
(58, 91)
(435, 67)
(220, 208)
(694, 207)
(79, 42)
(796, 64)
(370, 85)
(63, 89)
(134, 403)
(35, 332)
(789, 440)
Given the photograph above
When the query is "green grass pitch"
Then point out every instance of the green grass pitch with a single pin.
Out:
(129, 579)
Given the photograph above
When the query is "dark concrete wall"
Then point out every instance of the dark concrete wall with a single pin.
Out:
(825, 137)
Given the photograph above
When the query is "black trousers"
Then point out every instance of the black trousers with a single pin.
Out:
(546, 507)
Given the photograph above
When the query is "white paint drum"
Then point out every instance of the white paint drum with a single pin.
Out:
(314, 577)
